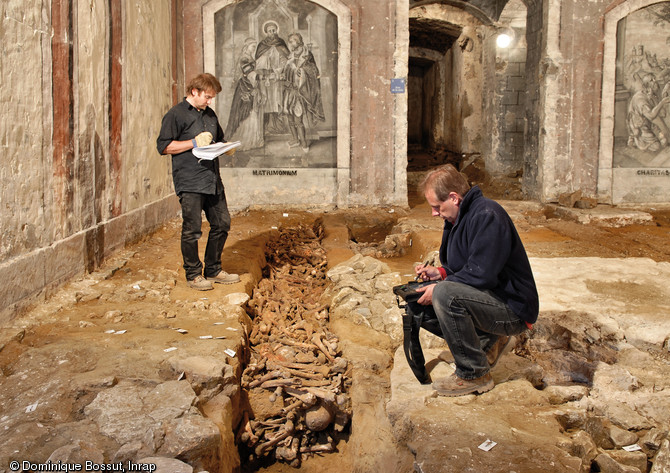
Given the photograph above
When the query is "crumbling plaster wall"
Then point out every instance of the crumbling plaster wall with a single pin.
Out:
(27, 208)
(377, 55)
(84, 85)
(147, 96)
(564, 74)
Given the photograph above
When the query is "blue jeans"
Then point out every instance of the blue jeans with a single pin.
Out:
(216, 211)
(470, 320)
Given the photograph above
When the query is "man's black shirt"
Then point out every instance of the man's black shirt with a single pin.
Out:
(184, 122)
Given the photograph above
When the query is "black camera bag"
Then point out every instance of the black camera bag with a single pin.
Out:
(411, 325)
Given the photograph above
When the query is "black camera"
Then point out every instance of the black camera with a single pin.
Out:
(408, 291)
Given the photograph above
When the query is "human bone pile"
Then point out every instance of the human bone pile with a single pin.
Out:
(297, 380)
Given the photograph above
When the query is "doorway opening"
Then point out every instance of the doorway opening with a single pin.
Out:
(466, 95)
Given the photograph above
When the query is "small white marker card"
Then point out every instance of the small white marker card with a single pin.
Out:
(632, 448)
(488, 445)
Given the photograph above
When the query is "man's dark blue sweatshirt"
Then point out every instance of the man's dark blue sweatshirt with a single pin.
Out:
(483, 250)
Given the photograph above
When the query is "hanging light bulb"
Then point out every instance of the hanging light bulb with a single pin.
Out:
(503, 40)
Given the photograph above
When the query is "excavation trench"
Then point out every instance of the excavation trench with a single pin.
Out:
(128, 363)
(316, 383)
(295, 386)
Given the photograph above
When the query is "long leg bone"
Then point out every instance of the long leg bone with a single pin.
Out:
(316, 339)
(281, 435)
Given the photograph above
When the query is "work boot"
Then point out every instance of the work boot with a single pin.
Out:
(454, 386)
(224, 278)
(492, 355)
(200, 283)
(497, 350)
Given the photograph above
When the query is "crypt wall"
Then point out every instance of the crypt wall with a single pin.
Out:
(80, 176)
(564, 79)
(504, 83)
(349, 159)
(578, 98)
(85, 178)
(634, 160)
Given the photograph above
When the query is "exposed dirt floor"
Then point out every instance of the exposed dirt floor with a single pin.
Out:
(117, 322)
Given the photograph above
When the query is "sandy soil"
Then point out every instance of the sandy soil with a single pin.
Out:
(142, 290)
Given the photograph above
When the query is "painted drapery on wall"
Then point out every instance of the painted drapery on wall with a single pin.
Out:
(642, 111)
(277, 63)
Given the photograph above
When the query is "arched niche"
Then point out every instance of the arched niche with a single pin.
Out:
(634, 156)
(276, 170)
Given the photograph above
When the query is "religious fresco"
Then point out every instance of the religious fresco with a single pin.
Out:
(277, 63)
(642, 104)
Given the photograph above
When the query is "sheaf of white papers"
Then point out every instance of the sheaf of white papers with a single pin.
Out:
(210, 152)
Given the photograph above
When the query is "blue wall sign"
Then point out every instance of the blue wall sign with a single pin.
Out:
(397, 86)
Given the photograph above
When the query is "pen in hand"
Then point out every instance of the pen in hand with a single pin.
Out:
(418, 276)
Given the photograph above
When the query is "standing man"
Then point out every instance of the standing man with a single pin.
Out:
(486, 290)
(198, 185)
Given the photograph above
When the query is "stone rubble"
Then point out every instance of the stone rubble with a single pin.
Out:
(591, 391)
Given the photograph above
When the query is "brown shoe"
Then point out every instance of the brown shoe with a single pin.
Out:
(493, 355)
(497, 350)
(454, 386)
(225, 278)
(200, 283)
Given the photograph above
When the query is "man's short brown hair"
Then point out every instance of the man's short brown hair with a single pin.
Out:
(443, 180)
(204, 83)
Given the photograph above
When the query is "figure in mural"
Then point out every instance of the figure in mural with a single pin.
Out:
(645, 132)
(635, 62)
(271, 56)
(266, 93)
(302, 94)
(245, 123)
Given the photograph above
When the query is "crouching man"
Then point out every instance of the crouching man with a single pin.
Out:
(485, 291)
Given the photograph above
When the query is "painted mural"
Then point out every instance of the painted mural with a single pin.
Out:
(642, 113)
(277, 63)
